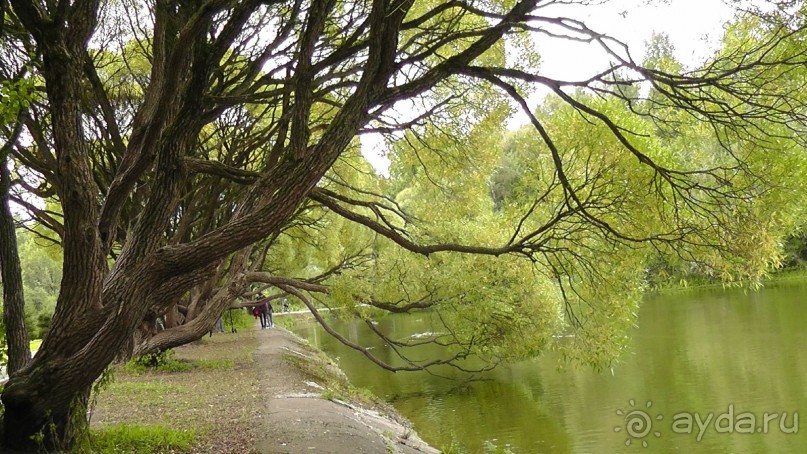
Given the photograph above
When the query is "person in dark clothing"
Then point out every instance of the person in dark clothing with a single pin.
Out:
(264, 309)
(258, 314)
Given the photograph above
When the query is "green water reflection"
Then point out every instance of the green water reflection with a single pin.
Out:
(694, 353)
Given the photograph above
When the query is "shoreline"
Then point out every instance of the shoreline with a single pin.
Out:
(315, 409)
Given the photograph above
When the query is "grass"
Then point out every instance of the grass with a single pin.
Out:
(324, 371)
(182, 404)
(135, 368)
(141, 439)
(215, 364)
(166, 362)
(287, 322)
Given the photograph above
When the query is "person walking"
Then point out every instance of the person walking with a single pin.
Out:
(258, 314)
(267, 313)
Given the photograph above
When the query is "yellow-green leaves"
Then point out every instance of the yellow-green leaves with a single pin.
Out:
(15, 95)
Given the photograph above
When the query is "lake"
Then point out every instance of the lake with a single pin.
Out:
(710, 370)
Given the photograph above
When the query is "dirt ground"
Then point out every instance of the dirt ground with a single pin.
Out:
(257, 391)
(217, 399)
(298, 419)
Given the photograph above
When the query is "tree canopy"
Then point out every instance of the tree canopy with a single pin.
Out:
(188, 154)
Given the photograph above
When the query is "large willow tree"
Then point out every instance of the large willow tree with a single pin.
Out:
(187, 150)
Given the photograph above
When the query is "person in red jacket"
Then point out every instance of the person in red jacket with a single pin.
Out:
(257, 313)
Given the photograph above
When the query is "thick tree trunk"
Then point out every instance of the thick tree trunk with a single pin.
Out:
(48, 397)
(19, 353)
(64, 412)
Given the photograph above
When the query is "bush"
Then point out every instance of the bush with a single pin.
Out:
(160, 361)
(42, 325)
(155, 360)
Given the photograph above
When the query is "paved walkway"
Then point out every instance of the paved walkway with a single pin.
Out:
(298, 420)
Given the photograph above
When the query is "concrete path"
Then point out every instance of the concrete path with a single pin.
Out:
(298, 420)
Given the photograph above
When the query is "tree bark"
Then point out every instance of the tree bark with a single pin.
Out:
(19, 353)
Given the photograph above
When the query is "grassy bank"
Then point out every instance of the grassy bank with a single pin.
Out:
(204, 398)
(700, 283)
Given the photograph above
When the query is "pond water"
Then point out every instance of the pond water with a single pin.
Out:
(708, 371)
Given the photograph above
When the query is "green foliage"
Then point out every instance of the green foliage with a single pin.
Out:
(15, 95)
(140, 439)
(239, 318)
(41, 274)
(162, 361)
(42, 324)
(606, 223)
(581, 296)
(3, 348)
(795, 251)
(157, 359)
(289, 323)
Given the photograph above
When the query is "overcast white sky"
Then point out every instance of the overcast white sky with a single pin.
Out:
(695, 28)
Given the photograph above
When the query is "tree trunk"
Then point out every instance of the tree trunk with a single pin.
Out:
(19, 353)
(42, 411)
(213, 308)
(172, 317)
(45, 402)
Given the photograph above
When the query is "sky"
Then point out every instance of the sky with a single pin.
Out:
(695, 28)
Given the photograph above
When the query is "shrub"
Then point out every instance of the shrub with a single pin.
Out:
(160, 361)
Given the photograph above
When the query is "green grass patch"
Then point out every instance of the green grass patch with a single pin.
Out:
(141, 393)
(193, 403)
(215, 364)
(129, 387)
(136, 368)
(288, 322)
(176, 366)
(140, 439)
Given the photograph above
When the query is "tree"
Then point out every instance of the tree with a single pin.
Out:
(15, 93)
(13, 295)
(186, 141)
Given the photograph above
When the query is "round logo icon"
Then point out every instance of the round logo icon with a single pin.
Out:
(638, 423)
